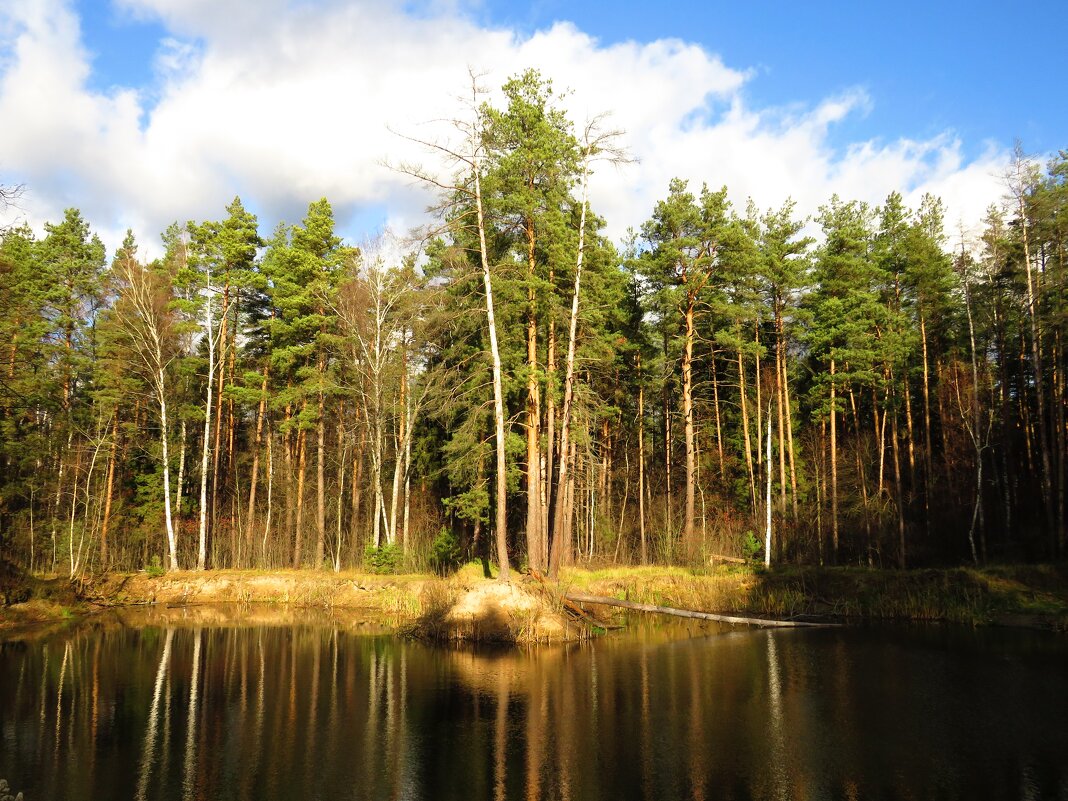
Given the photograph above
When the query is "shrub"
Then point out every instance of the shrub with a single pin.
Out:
(446, 554)
(750, 545)
(154, 569)
(386, 559)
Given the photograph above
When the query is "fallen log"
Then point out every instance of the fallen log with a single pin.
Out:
(721, 558)
(583, 598)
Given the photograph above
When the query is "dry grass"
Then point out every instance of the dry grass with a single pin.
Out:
(427, 606)
(1023, 596)
(471, 608)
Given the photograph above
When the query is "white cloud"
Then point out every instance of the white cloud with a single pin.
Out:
(283, 102)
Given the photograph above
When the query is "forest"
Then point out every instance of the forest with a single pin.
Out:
(871, 385)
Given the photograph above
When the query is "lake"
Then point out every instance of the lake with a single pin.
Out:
(314, 706)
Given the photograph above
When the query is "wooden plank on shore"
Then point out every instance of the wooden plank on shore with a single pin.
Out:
(583, 598)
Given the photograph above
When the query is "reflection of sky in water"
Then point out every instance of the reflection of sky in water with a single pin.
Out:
(182, 710)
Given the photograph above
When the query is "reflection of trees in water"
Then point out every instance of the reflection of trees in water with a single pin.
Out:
(188, 781)
(152, 729)
(299, 711)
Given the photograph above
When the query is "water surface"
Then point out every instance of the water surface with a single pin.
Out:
(318, 709)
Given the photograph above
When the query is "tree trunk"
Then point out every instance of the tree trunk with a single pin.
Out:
(320, 484)
(861, 473)
(108, 493)
(790, 438)
(821, 489)
(341, 465)
(562, 474)
(719, 427)
(767, 500)
(978, 436)
(1039, 377)
(216, 449)
(687, 412)
(288, 453)
(533, 415)
(254, 480)
(641, 464)
(182, 438)
(834, 473)
(230, 466)
(410, 416)
(549, 457)
(906, 393)
(758, 417)
(302, 459)
(501, 519)
(742, 395)
(172, 548)
(900, 496)
(357, 491)
(928, 451)
(202, 545)
(780, 392)
(667, 444)
(395, 489)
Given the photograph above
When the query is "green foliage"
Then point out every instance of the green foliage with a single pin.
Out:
(154, 569)
(338, 365)
(446, 554)
(383, 560)
(750, 545)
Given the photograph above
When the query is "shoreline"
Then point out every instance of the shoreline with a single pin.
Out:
(467, 606)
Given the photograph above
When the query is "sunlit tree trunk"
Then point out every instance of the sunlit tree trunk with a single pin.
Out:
(834, 472)
(356, 498)
(641, 464)
(261, 414)
(687, 412)
(719, 425)
(533, 410)
(218, 414)
(320, 481)
(302, 460)
(109, 492)
(742, 398)
(767, 499)
(183, 438)
(501, 518)
(202, 542)
(164, 436)
(900, 495)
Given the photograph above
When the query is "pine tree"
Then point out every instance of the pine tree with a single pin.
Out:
(532, 161)
(684, 235)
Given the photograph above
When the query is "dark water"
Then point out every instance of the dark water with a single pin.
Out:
(315, 710)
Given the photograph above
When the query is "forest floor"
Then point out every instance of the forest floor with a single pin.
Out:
(469, 606)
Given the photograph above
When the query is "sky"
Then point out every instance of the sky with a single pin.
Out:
(144, 112)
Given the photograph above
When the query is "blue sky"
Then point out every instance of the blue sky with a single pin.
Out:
(141, 112)
(983, 69)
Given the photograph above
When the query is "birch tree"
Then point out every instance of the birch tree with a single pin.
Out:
(148, 329)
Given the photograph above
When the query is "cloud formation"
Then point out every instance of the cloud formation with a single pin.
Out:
(283, 102)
